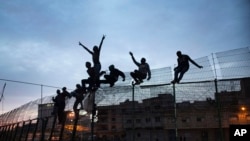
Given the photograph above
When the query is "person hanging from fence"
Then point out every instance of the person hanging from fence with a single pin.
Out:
(143, 70)
(113, 76)
(55, 100)
(183, 66)
(61, 104)
(95, 58)
(79, 94)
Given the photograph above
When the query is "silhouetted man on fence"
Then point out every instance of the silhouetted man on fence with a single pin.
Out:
(61, 104)
(95, 57)
(183, 66)
(142, 72)
(79, 94)
(113, 76)
(56, 102)
(91, 79)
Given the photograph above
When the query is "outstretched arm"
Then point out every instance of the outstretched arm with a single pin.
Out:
(53, 99)
(85, 48)
(122, 75)
(100, 46)
(133, 58)
(193, 62)
(149, 72)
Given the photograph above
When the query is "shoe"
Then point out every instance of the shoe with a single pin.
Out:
(137, 83)
(111, 84)
(173, 82)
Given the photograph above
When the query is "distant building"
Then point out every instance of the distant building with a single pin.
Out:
(154, 118)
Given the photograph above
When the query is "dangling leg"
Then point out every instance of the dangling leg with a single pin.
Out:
(176, 73)
(75, 107)
(110, 79)
(182, 72)
(81, 104)
(97, 68)
(141, 76)
(134, 76)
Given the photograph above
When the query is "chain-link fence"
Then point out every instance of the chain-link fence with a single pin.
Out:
(201, 107)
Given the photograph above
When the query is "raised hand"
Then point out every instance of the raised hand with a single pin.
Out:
(80, 44)
(131, 53)
(103, 37)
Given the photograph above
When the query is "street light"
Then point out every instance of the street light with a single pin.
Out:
(243, 108)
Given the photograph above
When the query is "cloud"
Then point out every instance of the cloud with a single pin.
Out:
(39, 39)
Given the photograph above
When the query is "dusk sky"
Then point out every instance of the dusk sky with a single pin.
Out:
(39, 39)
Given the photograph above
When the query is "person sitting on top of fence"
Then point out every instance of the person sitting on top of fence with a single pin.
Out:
(90, 80)
(96, 58)
(142, 72)
(182, 67)
(113, 76)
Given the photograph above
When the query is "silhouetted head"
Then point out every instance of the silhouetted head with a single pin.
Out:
(143, 60)
(88, 64)
(58, 91)
(64, 88)
(78, 86)
(178, 53)
(95, 48)
(111, 67)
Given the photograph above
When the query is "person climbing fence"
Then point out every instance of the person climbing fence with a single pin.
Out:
(143, 70)
(56, 103)
(183, 66)
(95, 58)
(79, 94)
(92, 84)
(61, 104)
(113, 76)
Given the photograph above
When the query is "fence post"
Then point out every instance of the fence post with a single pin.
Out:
(62, 127)
(75, 125)
(21, 133)
(34, 132)
(53, 127)
(133, 111)
(28, 130)
(8, 132)
(175, 114)
(218, 104)
(93, 116)
(15, 133)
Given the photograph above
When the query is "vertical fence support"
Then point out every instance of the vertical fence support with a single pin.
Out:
(28, 130)
(4, 132)
(9, 132)
(44, 126)
(93, 116)
(218, 104)
(34, 132)
(53, 127)
(62, 128)
(21, 133)
(41, 101)
(15, 133)
(175, 114)
(75, 126)
(133, 111)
